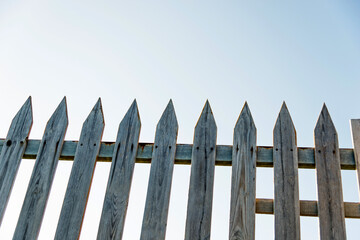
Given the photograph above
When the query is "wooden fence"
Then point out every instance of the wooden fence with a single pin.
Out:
(244, 156)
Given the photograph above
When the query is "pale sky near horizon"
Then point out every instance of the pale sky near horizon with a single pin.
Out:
(264, 52)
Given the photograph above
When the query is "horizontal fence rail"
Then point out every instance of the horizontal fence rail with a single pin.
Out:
(184, 151)
(307, 208)
(243, 156)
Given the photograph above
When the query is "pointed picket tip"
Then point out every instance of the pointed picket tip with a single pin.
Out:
(134, 104)
(284, 111)
(98, 104)
(28, 103)
(134, 107)
(63, 102)
(60, 114)
(324, 120)
(246, 109)
(206, 116)
(24, 115)
(26, 108)
(96, 112)
(245, 115)
(284, 116)
(134, 110)
(62, 108)
(168, 117)
(132, 114)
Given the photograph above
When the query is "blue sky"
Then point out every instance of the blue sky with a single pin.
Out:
(303, 52)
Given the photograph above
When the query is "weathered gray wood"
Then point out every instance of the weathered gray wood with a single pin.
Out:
(119, 183)
(307, 208)
(77, 191)
(331, 206)
(355, 129)
(243, 180)
(12, 152)
(199, 209)
(264, 154)
(286, 186)
(33, 208)
(162, 164)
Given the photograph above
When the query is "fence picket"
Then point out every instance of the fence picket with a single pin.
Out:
(162, 164)
(330, 199)
(355, 129)
(286, 202)
(243, 180)
(12, 152)
(33, 208)
(77, 191)
(199, 209)
(119, 183)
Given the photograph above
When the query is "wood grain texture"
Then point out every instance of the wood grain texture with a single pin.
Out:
(33, 208)
(355, 130)
(121, 172)
(12, 152)
(73, 209)
(243, 178)
(286, 186)
(162, 164)
(199, 208)
(331, 206)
